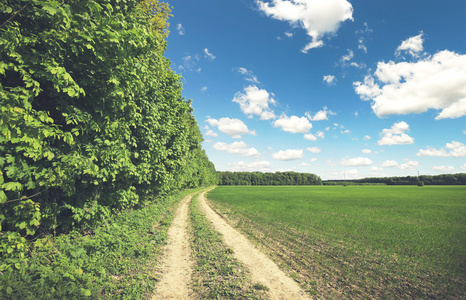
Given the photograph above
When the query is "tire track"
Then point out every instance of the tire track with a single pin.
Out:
(177, 267)
(262, 269)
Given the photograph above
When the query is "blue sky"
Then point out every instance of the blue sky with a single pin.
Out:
(338, 88)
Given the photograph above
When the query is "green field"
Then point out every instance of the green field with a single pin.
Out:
(358, 241)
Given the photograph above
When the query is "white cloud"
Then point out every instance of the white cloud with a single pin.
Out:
(314, 149)
(396, 135)
(456, 149)
(356, 161)
(313, 159)
(210, 132)
(293, 124)
(320, 115)
(289, 34)
(233, 127)
(318, 17)
(208, 55)
(250, 75)
(288, 154)
(236, 148)
(413, 46)
(367, 137)
(320, 134)
(180, 29)
(254, 166)
(255, 101)
(389, 163)
(345, 131)
(310, 137)
(409, 165)
(436, 82)
(204, 88)
(348, 57)
(376, 169)
(329, 80)
(361, 45)
(463, 167)
(446, 169)
(304, 165)
(366, 151)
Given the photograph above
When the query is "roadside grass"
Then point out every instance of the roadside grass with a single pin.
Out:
(216, 273)
(116, 260)
(382, 241)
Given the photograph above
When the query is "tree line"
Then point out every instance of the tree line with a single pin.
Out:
(92, 119)
(259, 178)
(443, 179)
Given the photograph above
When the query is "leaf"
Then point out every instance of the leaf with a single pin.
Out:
(50, 10)
(3, 197)
(12, 186)
(9, 290)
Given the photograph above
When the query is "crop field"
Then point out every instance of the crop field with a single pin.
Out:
(357, 241)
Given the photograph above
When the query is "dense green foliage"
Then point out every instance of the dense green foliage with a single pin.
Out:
(365, 241)
(444, 179)
(92, 120)
(216, 273)
(114, 261)
(259, 178)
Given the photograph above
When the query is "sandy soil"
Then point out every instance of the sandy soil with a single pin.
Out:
(176, 269)
(262, 269)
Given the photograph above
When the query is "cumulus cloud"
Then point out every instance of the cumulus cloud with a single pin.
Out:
(288, 154)
(367, 137)
(249, 75)
(236, 148)
(253, 166)
(293, 124)
(210, 132)
(310, 137)
(409, 165)
(366, 151)
(396, 135)
(455, 149)
(329, 80)
(320, 115)
(320, 134)
(208, 55)
(314, 149)
(255, 101)
(445, 169)
(435, 82)
(180, 29)
(389, 163)
(318, 17)
(233, 127)
(413, 46)
(356, 161)
(463, 167)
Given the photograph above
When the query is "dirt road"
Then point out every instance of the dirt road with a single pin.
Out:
(262, 269)
(176, 269)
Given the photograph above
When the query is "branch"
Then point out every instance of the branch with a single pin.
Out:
(14, 15)
(25, 197)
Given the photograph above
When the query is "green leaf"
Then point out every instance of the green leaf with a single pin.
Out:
(12, 186)
(50, 10)
(3, 197)
(9, 290)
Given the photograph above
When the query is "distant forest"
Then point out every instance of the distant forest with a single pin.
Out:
(259, 178)
(295, 178)
(444, 179)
